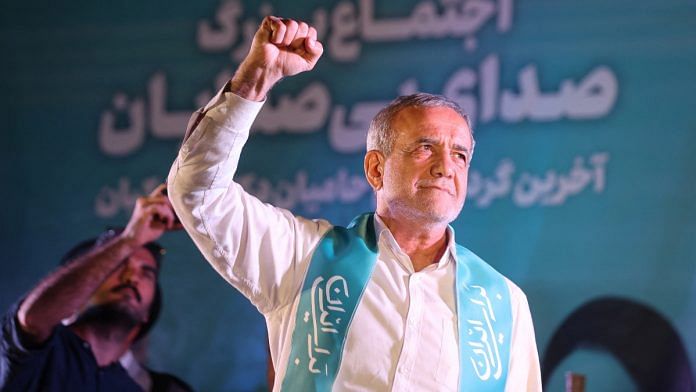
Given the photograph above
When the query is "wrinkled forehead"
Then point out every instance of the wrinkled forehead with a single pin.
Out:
(439, 123)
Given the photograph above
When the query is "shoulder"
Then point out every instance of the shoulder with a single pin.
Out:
(22, 361)
(362, 226)
(517, 296)
(464, 255)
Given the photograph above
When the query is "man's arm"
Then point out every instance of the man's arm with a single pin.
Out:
(66, 290)
(524, 372)
(259, 249)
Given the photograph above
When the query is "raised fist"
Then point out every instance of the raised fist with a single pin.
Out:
(281, 48)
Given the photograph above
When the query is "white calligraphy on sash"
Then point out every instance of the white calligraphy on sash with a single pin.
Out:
(483, 339)
(326, 314)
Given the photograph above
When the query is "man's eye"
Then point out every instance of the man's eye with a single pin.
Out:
(461, 156)
(150, 274)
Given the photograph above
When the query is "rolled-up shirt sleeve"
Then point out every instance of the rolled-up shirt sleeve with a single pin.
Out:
(16, 349)
(261, 250)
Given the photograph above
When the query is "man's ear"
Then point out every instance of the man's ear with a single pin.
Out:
(374, 169)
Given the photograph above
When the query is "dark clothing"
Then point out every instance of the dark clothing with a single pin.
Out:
(165, 382)
(64, 362)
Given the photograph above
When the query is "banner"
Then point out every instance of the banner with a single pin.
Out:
(581, 187)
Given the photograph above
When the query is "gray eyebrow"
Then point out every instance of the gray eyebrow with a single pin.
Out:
(430, 140)
(460, 147)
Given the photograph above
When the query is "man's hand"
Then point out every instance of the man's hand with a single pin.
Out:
(152, 216)
(281, 47)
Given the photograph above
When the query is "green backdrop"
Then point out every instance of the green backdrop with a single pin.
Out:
(582, 184)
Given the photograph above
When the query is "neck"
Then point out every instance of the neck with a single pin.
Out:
(423, 243)
(108, 343)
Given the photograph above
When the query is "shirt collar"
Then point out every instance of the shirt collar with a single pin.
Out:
(384, 235)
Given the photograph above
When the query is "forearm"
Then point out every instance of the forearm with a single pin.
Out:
(251, 244)
(66, 290)
(252, 82)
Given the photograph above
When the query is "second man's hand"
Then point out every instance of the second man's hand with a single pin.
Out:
(152, 216)
(281, 48)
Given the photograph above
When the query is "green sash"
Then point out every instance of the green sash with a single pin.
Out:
(336, 279)
(484, 317)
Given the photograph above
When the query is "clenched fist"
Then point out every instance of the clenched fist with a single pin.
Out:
(281, 47)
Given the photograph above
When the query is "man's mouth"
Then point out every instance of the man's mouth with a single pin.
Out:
(127, 286)
(437, 188)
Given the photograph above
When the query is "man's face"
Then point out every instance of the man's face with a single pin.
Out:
(425, 176)
(131, 287)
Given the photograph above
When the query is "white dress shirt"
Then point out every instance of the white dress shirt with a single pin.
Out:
(404, 333)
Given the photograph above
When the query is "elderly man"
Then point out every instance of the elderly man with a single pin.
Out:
(389, 303)
(71, 330)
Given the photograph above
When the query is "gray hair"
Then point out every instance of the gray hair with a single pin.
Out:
(381, 136)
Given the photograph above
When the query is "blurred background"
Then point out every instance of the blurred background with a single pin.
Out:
(581, 190)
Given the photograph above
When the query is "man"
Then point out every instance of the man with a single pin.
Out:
(107, 291)
(389, 303)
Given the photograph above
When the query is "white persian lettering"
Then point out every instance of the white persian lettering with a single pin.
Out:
(525, 189)
(345, 28)
(113, 199)
(326, 297)
(309, 110)
(164, 124)
(483, 339)
(305, 113)
(124, 140)
(342, 187)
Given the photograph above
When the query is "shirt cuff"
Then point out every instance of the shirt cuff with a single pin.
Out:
(232, 111)
(14, 337)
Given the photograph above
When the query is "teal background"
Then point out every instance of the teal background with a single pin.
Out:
(62, 64)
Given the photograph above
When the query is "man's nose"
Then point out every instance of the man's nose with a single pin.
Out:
(443, 166)
(128, 273)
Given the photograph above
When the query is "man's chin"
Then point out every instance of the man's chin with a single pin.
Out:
(438, 213)
(112, 314)
(432, 216)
